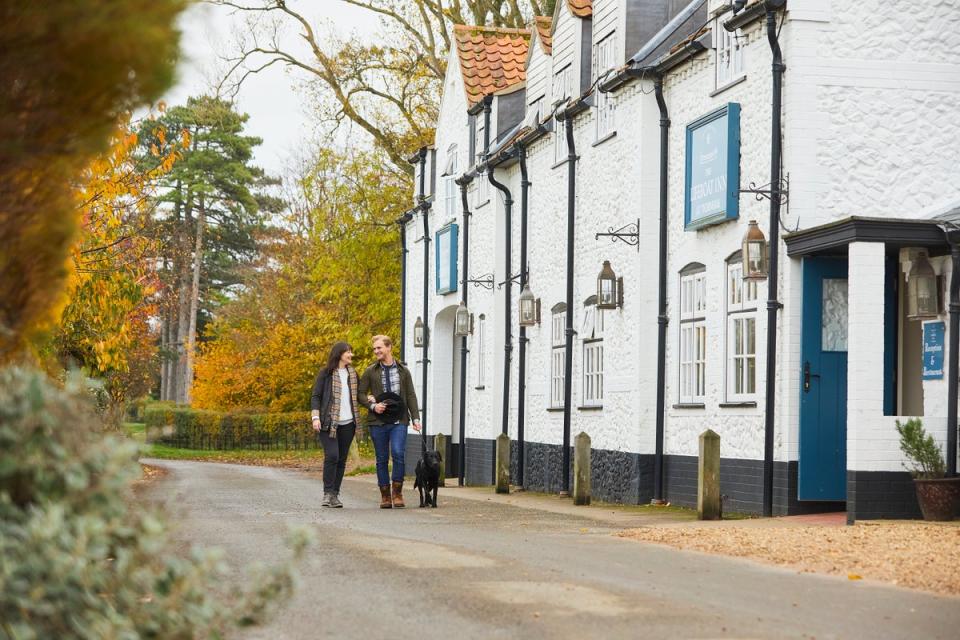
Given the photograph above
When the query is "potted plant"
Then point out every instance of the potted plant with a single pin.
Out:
(939, 497)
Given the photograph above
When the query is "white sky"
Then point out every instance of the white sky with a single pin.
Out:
(278, 111)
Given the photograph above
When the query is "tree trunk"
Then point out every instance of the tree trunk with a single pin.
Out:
(184, 278)
(194, 303)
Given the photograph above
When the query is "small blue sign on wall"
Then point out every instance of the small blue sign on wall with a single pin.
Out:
(933, 334)
(446, 259)
(712, 187)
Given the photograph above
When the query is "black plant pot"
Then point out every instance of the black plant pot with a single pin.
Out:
(939, 498)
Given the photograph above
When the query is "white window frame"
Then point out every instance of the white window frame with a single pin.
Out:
(741, 297)
(561, 91)
(593, 324)
(450, 190)
(479, 348)
(604, 55)
(729, 57)
(557, 357)
(693, 337)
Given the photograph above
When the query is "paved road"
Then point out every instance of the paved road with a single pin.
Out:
(483, 569)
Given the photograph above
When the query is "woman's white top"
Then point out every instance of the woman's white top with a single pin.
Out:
(346, 410)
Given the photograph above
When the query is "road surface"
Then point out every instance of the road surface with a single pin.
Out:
(483, 569)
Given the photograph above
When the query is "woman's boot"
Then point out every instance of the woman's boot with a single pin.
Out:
(385, 502)
(398, 495)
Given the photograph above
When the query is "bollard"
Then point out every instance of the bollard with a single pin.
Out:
(708, 477)
(503, 463)
(581, 469)
(440, 444)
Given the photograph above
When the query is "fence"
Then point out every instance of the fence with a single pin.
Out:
(196, 429)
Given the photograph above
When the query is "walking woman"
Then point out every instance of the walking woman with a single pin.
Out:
(335, 413)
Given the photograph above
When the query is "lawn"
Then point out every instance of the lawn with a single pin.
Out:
(307, 459)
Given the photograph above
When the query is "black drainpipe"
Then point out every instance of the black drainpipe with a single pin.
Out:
(524, 279)
(402, 223)
(662, 317)
(773, 305)
(953, 237)
(567, 115)
(464, 182)
(425, 211)
(508, 290)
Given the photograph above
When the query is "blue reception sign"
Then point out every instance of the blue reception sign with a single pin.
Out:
(933, 333)
(446, 259)
(712, 187)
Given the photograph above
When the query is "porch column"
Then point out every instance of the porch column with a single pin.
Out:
(865, 344)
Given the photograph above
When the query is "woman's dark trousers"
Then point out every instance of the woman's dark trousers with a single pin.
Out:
(335, 455)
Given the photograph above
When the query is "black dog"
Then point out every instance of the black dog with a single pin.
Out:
(428, 477)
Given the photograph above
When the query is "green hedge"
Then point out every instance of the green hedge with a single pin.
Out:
(195, 429)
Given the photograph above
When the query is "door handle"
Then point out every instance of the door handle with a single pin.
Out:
(807, 375)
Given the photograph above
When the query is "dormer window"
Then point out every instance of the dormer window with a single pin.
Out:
(603, 60)
(449, 182)
(561, 92)
(729, 54)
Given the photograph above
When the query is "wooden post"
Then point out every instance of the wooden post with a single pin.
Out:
(581, 469)
(503, 463)
(708, 477)
(440, 444)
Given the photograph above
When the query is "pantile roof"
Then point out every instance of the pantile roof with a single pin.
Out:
(581, 8)
(543, 24)
(491, 59)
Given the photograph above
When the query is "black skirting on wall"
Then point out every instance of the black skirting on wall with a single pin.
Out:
(874, 495)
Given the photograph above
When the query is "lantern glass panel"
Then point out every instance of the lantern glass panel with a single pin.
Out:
(528, 307)
(922, 290)
(418, 333)
(607, 297)
(462, 321)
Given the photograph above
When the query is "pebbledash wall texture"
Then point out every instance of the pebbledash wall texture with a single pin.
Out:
(864, 112)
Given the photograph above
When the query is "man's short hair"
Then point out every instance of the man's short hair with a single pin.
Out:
(387, 342)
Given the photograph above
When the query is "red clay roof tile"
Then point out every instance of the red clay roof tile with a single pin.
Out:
(491, 59)
(543, 24)
(581, 8)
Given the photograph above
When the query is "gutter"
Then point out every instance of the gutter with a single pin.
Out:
(953, 352)
(522, 340)
(508, 284)
(424, 206)
(402, 222)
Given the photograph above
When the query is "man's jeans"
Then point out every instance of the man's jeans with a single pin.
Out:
(389, 440)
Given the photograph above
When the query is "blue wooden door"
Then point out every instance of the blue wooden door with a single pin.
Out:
(823, 381)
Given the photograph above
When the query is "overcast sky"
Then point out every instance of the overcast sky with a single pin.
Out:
(278, 111)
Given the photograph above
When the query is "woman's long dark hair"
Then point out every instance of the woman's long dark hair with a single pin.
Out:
(338, 349)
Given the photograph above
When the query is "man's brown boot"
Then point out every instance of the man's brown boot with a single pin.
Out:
(398, 495)
(385, 502)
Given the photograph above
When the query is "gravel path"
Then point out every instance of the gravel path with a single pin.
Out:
(917, 555)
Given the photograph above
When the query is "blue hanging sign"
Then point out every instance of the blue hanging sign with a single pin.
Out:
(445, 245)
(933, 341)
(712, 187)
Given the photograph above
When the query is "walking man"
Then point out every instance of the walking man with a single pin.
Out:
(388, 388)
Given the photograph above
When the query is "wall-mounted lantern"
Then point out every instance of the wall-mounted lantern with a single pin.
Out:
(419, 334)
(463, 325)
(609, 288)
(529, 307)
(754, 254)
(922, 302)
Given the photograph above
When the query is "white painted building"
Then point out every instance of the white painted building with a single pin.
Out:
(869, 132)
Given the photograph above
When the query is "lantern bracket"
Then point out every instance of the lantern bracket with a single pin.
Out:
(515, 278)
(485, 281)
(765, 191)
(628, 233)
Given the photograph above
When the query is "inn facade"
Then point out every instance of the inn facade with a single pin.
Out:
(638, 139)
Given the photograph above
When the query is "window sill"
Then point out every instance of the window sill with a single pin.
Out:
(608, 136)
(747, 404)
(690, 405)
(554, 409)
(732, 83)
(482, 204)
(560, 164)
(591, 407)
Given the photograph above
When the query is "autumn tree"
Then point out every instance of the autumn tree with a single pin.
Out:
(209, 212)
(70, 68)
(388, 87)
(329, 272)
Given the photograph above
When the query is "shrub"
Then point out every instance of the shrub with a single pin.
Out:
(921, 449)
(198, 429)
(78, 557)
